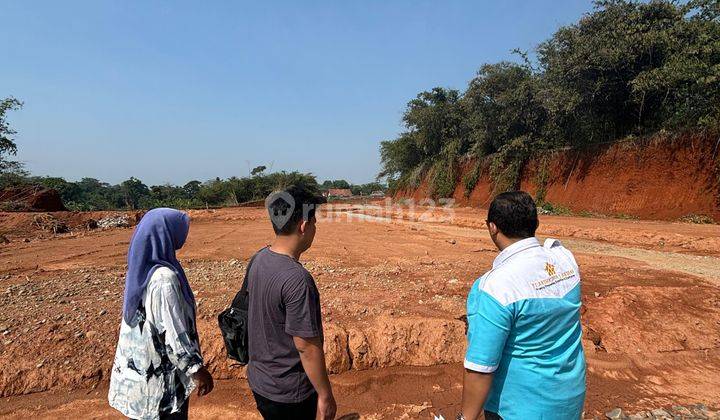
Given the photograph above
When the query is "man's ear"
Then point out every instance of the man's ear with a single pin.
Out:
(302, 226)
(492, 228)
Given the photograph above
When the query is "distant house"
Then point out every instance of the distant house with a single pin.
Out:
(338, 192)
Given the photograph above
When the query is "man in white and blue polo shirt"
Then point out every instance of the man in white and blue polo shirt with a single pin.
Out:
(524, 358)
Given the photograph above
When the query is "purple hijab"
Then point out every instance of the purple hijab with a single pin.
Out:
(159, 234)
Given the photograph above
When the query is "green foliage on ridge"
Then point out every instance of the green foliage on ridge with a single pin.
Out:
(628, 68)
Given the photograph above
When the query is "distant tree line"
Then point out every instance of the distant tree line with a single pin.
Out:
(628, 68)
(91, 194)
(356, 189)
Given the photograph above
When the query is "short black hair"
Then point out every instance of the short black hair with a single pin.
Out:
(288, 206)
(515, 214)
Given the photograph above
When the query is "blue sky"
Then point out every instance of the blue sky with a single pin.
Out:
(170, 91)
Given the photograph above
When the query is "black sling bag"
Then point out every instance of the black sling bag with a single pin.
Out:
(233, 323)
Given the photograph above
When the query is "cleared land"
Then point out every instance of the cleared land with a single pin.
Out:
(393, 293)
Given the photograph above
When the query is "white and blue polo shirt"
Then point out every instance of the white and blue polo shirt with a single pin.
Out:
(524, 325)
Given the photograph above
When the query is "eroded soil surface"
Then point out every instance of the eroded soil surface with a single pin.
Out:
(393, 284)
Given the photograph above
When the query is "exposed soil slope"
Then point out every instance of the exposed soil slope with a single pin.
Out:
(655, 179)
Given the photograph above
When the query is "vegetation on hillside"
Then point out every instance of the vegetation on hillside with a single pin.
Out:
(626, 69)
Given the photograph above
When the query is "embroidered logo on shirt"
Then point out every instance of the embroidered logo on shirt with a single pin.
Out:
(554, 277)
(550, 269)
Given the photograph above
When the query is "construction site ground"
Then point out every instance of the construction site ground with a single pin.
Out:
(393, 282)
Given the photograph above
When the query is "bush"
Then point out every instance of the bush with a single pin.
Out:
(556, 209)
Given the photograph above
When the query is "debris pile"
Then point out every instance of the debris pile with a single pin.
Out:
(49, 223)
(115, 221)
(90, 224)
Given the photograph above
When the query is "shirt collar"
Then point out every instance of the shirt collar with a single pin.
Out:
(513, 249)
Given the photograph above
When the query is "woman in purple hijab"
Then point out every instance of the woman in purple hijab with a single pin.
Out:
(158, 361)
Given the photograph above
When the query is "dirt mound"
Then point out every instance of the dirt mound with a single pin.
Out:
(34, 198)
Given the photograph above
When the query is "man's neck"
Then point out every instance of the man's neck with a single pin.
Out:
(505, 242)
(287, 246)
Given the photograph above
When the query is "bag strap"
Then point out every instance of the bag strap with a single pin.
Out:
(247, 272)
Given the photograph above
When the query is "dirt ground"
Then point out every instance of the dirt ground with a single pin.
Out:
(393, 283)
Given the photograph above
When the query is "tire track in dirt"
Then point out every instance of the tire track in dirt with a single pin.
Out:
(707, 267)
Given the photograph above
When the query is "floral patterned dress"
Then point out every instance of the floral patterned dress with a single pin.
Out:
(156, 357)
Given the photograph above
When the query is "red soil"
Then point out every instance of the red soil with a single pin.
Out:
(656, 179)
(392, 293)
(31, 199)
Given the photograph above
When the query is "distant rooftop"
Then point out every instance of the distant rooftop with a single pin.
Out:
(338, 192)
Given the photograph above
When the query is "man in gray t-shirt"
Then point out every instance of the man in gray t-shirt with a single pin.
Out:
(284, 303)
(287, 371)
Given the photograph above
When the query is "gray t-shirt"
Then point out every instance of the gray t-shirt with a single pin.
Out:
(284, 302)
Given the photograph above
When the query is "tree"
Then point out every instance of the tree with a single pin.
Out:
(367, 189)
(213, 192)
(627, 68)
(133, 191)
(436, 118)
(93, 194)
(258, 170)
(338, 183)
(503, 103)
(7, 143)
(282, 179)
(399, 157)
(191, 189)
(633, 68)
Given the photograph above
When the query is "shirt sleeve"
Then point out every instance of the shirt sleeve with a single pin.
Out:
(489, 323)
(177, 322)
(302, 306)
